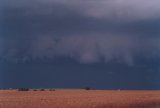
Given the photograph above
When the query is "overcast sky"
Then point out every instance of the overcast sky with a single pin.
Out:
(92, 35)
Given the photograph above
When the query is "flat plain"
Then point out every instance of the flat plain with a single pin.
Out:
(79, 99)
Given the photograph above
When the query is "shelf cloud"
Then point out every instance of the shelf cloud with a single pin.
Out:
(86, 30)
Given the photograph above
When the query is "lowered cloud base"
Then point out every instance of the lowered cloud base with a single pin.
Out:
(86, 49)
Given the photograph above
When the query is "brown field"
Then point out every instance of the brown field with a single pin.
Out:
(79, 99)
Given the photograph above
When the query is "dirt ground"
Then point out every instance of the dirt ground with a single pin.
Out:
(79, 99)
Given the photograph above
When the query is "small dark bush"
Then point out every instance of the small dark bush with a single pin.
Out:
(52, 90)
(35, 90)
(42, 89)
(23, 89)
(87, 88)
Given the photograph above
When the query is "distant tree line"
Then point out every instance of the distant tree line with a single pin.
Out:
(27, 89)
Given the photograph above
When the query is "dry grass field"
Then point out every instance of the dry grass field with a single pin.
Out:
(79, 99)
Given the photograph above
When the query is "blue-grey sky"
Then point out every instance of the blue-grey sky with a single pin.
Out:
(107, 44)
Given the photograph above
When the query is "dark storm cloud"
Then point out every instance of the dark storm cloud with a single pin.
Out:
(88, 31)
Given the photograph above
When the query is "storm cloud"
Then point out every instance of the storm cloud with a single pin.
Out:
(88, 31)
